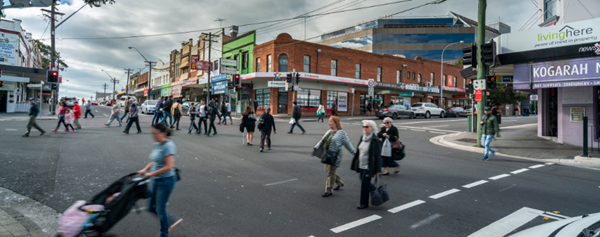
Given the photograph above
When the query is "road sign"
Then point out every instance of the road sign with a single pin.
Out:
(228, 62)
(352, 90)
(478, 95)
(228, 70)
(533, 97)
(217, 78)
(371, 87)
(479, 84)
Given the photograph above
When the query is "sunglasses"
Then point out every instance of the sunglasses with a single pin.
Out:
(366, 126)
(387, 122)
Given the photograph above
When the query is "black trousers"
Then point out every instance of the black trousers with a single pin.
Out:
(193, 124)
(202, 121)
(212, 126)
(131, 121)
(176, 123)
(265, 135)
(87, 111)
(365, 187)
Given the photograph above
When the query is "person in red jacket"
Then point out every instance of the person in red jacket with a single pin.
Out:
(77, 114)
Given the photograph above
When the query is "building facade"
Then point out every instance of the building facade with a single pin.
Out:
(242, 50)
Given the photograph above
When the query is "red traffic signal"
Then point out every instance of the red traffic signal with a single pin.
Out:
(52, 77)
(236, 80)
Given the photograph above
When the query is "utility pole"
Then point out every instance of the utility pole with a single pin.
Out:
(53, 14)
(481, 68)
(114, 81)
(210, 66)
(127, 86)
(104, 87)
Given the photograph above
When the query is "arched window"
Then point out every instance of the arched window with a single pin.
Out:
(283, 63)
(420, 79)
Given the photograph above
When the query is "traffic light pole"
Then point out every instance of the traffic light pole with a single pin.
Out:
(52, 58)
(481, 67)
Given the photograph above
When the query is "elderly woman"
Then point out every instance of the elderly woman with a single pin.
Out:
(333, 141)
(367, 160)
(389, 132)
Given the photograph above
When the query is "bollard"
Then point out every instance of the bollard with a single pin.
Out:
(585, 137)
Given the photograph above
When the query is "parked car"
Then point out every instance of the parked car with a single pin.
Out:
(108, 103)
(148, 106)
(455, 112)
(94, 102)
(586, 225)
(70, 101)
(185, 107)
(469, 110)
(427, 110)
(394, 111)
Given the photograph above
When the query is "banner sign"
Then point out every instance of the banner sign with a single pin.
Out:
(219, 87)
(277, 83)
(555, 74)
(195, 59)
(407, 94)
(145, 91)
(221, 77)
(203, 65)
(8, 51)
(342, 102)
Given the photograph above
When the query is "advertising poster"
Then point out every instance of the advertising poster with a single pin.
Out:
(7, 51)
(577, 114)
(342, 102)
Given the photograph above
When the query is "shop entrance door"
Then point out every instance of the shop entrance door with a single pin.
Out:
(282, 103)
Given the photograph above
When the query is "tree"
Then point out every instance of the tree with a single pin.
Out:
(46, 50)
(502, 95)
(459, 62)
(97, 3)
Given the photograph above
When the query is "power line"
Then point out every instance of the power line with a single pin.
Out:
(326, 6)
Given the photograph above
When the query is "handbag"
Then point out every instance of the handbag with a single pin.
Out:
(379, 195)
(386, 149)
(319, 113)
(292, 120)
(251, 117)
(398, 153)
(177, 171)
(396, 144)
(261, 123)
(330, 157)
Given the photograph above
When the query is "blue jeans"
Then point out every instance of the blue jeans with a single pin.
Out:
(61, 119)
(156, 117)
(486, 140)
(224, 115)
(365, 187)
(297, 123)
(164, 119)
(160, 191)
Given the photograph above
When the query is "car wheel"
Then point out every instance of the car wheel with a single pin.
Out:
(411, 116)
(442, 115)
(427, 115)
(394, 116)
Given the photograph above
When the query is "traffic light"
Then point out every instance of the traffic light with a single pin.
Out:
(53, 86)
(488, 53)
(491, 82)
(469, 88)
(289, 78)
(236, 80)
(470, 56)
(52, 76)
(1, 82)
(297, 78)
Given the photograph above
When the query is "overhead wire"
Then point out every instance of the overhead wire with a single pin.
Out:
(326, 6)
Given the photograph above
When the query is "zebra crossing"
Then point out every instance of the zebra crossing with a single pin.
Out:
(514, 221)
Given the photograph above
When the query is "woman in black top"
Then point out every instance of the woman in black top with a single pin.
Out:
(249, 123)
(389, 132)
(265, 129)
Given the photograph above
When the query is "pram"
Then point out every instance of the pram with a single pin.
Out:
(108, 207)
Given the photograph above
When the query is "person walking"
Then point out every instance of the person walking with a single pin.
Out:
(177, 113)
(370, 108)
(193, 112)
(296, 114)
(321, 112)
(161, 170)
(69, 120)
(265, 129)
(255, 105)
(223, 113)
(333, 109)
(332, 142)
(62, 110)
(248, 121)
(133, 118)
(212, 113)
(34, 111)
(367, 161)
(202, 116)
(489, 128)
(88, 109)
(167, 112)
(126, 111)
(228, 105)
(114, 113)
(389, 132)
(77, 113)
(157, 112)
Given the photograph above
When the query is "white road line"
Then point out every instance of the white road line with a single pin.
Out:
(509, 223)
(281, 182)
(552, 217)
(519, 171)
(441, 130)
(436, 126)
(480, 182)
(497, 177)
(536, 166)
(355, 223)
(433, 121)
(445, 193)
(106, 115)
(96, 111)
(549, 163)
(438, 132)
(556, 215)
(12, 129)
(510, 120)
(417, 130)
(406, 206)
(507, 188)
(426, 221)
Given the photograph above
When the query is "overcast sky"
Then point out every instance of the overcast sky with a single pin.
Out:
(87, 57)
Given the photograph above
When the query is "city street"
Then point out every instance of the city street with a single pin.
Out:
(230, 189)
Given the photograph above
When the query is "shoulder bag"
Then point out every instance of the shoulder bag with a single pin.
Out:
(379, 195)
(330, 157)
(261, 123)
(252, 117)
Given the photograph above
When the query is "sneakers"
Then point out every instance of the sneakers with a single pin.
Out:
(65, 131)
(72, 131)
(42, 133)
(303, 132)
(53, 130)
(493, 154)
(27, 135)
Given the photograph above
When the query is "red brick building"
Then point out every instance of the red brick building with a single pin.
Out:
(328, 74)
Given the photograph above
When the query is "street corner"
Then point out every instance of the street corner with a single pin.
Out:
(23, 216)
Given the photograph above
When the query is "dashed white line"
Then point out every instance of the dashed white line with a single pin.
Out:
(426, 221)
(445, 193)
(436, 126)
(437, 132)
(355, 223)
(497, 177)
(106, 115)
(12, 129)
(536, 166)
(519, 171)
(556, 215)
(285, 181)
(418, 130)
(480, 182)
(96, 111)
(406, 206)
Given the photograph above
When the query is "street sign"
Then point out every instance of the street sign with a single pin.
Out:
(217, 78)
(371, 87)
(228, 70)
(478, 95)
(228, 62)
(479, 84)
(277, 84)
(533, 97)
(506, 79)
(352, 90)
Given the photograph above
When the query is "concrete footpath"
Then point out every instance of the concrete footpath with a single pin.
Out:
(522, 142)
(23, 116)
(21, 216)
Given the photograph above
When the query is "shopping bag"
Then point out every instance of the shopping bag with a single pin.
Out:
(379, 195)
(386, 150)
(319, 113)
(292, 120)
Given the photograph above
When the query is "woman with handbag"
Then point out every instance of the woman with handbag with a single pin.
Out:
(389, 132)
(367, 161)
(248, 120)
(321, 112)
(162, 171)
(177, 113)
(329, 149)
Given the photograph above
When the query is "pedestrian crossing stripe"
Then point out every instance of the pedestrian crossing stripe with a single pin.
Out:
(513, 221)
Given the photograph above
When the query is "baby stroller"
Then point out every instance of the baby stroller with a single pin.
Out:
(108, 207)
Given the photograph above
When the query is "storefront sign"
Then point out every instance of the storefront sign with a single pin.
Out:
(506, 79)
(221, 77)
(228, 70)
(195, 59)
(407, 94)
(459, 96)
(228, 62)
(554, 74)
(390, 85)
(165, 90)
(219, 87)
(8, 51)
(577, 114)
(384, 92)
(533, 97)
(191, 82)
(277, 84)
(176, 89)
(203, 65)
(342, 102)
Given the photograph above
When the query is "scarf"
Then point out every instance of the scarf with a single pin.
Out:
(367, 138)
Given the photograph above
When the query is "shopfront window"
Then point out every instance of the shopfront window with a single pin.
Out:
(308, 98)
(263, 98)
(398, 76)
(306, 63)
(269, 63)
(432, 79)
(379, 74)
(331, 97)
(357, 73)
(420, 79)
(407, 75)
(283, 63)
(245, 60)
(257, 64)
(334, 67)
(549, 9)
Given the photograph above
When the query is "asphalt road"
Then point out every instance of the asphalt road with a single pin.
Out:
(230, 189)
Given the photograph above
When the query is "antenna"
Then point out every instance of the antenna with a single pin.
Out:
(220, 22)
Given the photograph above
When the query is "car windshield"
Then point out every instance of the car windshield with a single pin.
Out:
(152, 102)
(417, 105)
(593, 231)
(386, 107)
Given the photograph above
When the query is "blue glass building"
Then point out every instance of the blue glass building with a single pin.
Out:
(410, 37)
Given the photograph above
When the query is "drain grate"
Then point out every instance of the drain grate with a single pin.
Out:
(471, 140)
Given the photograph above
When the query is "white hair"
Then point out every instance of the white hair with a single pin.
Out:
(388, 119)
(371, 124)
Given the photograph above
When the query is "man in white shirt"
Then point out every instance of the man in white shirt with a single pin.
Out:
(202, 118)
(228, 112)
(114, 113)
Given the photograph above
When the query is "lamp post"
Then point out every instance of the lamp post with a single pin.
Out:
(442, 75)
(149, 72)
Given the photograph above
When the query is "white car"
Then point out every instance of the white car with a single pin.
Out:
(148, 106)
(584, 226)
(427, 110)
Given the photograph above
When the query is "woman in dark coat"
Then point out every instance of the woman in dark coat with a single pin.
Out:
(367, 161)
(249, 124)
(389, 132)
(265, 129)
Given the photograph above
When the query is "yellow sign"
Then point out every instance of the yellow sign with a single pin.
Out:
(132, 82)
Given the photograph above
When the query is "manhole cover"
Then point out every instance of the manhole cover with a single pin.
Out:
(471, 140)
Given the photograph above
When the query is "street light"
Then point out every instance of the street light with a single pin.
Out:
(149, 71)
(114, 81)
(442, 75)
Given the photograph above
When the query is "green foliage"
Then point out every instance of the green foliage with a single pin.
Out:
(98, 2)
(502, 95)
(46, 50)
(459, 62)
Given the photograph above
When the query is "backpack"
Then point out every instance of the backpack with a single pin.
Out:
(261, 123)
(177, 113)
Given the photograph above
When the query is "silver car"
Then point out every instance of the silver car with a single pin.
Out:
(148, 106)
(394, 112)
(427, 110)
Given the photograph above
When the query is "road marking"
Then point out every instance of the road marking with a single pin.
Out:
(556, 215)
(509, 223)
(507, 188)
(519, 171)
(549, 163)
(436, 126)
(433, 121)
(445, 193)
(438, 132)
(106, 115)
(552, 217)
(480, 182)
(12, 129)
(426, 221)
(355, 223)
(497, 177)
(536, 166)
(281, 182)
(96, 111)
(406, 206)
(417, 130)
(510, 120)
